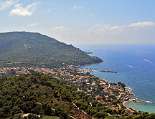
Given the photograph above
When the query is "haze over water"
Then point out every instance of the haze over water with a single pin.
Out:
(135, 65)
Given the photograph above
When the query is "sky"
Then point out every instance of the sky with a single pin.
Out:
(82, 22)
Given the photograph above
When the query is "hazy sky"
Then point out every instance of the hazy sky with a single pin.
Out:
(83, 21)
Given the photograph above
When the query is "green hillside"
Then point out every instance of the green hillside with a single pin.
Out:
(27, 49)
(40, 96)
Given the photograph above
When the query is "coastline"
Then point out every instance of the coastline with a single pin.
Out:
(107, 93)
(140, 105)
(130, 94)
(102, 90)
(132, 99)
(130, 72)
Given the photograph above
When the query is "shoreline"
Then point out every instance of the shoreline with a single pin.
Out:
(137, 101)
(125, 96)
(132, 99)
(128, 90)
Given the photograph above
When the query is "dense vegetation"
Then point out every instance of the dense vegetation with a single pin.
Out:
(51, 98)
(27, 49)
(44, 95)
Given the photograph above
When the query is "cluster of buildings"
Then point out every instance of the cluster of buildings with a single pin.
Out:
(9, 71)
(110, 94)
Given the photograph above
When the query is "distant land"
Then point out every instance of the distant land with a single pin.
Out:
(35, 49)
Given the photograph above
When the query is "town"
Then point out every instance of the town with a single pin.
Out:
(113, 95)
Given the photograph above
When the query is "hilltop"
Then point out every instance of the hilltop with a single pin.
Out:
(35, 49)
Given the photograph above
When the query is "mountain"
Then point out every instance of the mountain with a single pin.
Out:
(35, 49)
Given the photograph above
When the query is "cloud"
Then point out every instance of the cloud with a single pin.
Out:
(21, 10)
(5, 4)
(120, 28)
(18, 8)
(58, 29)
(143, 24)
(75, 7)
(32, 25)
(132, 33)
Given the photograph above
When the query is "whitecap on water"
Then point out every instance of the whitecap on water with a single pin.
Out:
(130, 66)
(148, 101)
(147, 60)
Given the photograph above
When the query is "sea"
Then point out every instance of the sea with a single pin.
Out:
(135, 66)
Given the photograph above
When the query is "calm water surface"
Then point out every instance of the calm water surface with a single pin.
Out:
(135, 66)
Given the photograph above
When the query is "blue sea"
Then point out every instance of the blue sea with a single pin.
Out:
(135, 65)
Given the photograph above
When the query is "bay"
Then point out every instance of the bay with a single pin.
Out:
(135, 66)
